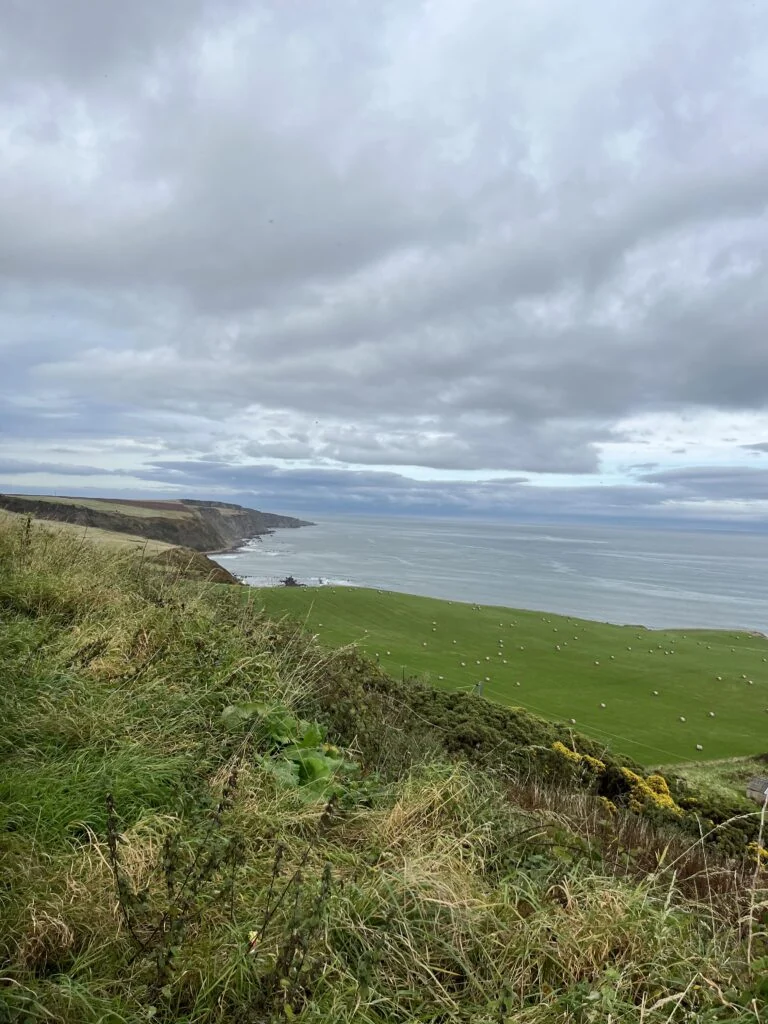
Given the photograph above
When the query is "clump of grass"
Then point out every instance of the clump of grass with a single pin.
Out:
(161, 864)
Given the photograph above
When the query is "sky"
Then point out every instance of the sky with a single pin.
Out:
(468, 257)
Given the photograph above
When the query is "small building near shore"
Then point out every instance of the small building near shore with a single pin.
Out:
(757, 789)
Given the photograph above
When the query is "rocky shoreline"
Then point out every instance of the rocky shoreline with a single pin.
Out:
(243, 544)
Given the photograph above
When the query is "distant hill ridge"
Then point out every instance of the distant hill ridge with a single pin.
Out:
(207, 526)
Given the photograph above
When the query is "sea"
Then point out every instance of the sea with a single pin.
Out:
(660, 578)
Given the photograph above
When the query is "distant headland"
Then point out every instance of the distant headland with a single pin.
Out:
(200, 526)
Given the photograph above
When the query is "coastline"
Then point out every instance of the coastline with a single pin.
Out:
(331, 585)
(241, 545)
(651, 579)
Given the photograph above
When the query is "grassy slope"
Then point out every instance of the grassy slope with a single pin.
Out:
(133, 510)
(93, 535)
(425, 894)
(567, 683)
(185, 560)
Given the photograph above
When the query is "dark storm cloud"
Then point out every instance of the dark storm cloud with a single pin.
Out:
(408, 234)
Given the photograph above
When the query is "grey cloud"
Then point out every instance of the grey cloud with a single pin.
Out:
(86, 41)
(721, 482)
(338, 489)
(454, 242)
(334, 490)
(317, 491)
(502, 445)
(20, 467)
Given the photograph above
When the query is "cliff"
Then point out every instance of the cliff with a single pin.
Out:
(207, 526)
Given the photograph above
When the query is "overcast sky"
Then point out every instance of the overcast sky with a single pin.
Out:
(472, 256)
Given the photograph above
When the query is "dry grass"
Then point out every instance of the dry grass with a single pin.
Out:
(93, 535)
(136, 509)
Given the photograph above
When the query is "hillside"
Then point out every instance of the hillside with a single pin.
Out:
(206, 526)
(665, 692)
(205, 817)
(185, 560)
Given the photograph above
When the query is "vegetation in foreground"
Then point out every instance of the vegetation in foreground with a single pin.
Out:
(187, 561)
(656, 695)
(207, 817)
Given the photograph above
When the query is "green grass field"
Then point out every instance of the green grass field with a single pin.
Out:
(562, 668)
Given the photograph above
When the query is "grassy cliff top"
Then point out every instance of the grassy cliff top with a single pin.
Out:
(205, 816)
(137, 509)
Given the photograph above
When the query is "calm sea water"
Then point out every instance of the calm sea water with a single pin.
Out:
(653, 578)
